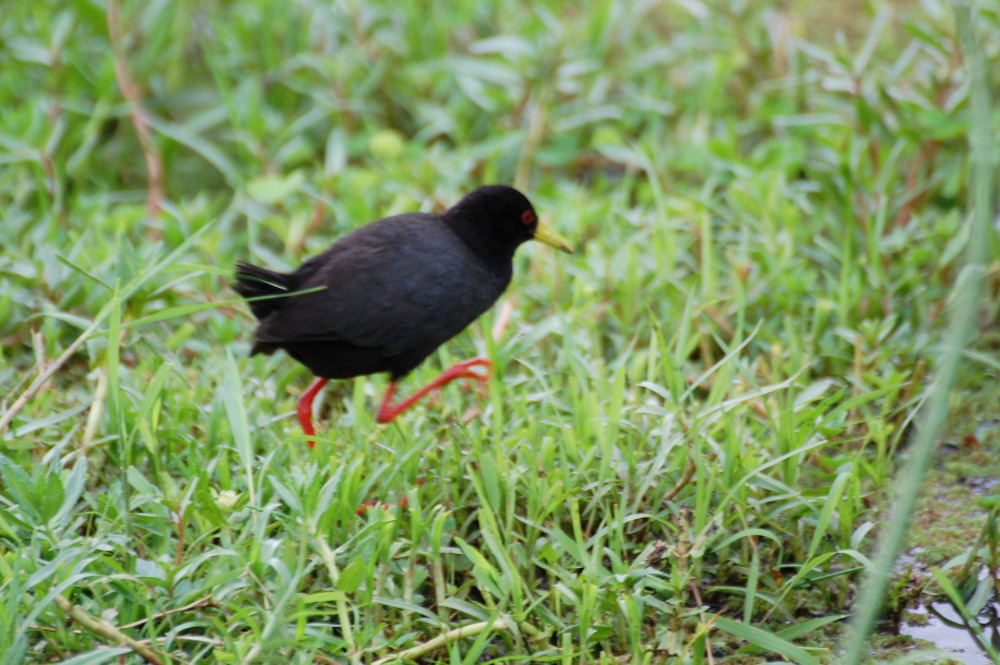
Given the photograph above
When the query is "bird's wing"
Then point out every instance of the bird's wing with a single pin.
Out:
(388, 291)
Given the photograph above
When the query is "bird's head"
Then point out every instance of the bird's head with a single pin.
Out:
(496, 219)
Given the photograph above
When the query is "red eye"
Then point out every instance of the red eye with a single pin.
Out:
(528, 217)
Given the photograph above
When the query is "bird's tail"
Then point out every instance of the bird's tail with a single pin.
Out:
(253, 281)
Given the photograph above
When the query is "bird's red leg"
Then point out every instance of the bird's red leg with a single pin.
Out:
(388, 410)
(461, 370)
(305, 408)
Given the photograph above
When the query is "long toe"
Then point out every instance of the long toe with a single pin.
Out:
(463, 370)
(478, 360)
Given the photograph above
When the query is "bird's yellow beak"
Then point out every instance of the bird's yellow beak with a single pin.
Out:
(546, 234)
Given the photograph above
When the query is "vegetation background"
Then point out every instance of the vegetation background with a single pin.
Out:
(686, 447)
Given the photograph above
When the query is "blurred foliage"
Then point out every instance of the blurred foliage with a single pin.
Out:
(692, 415)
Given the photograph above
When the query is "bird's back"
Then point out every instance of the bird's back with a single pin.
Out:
(394, 291)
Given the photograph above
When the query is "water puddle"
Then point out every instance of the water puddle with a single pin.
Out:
(946, 630)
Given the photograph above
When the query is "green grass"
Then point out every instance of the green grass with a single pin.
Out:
(687, 445)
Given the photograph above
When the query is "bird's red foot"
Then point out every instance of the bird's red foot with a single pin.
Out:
(462, 370)
(482, 378)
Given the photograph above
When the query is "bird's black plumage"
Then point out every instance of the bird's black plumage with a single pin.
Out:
(395, 289)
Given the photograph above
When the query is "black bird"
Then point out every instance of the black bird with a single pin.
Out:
(393, 291)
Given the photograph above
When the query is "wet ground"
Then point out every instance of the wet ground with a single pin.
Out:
(944, 628)
(951, 519)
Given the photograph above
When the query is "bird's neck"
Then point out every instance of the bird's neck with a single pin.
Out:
(490, 248)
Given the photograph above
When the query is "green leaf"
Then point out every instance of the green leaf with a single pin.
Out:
(20, 488)
(273, 189)
(72, 488)
(769, 642)
(97, 656)
(351, 576)
(239, 422)
(150, 398)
